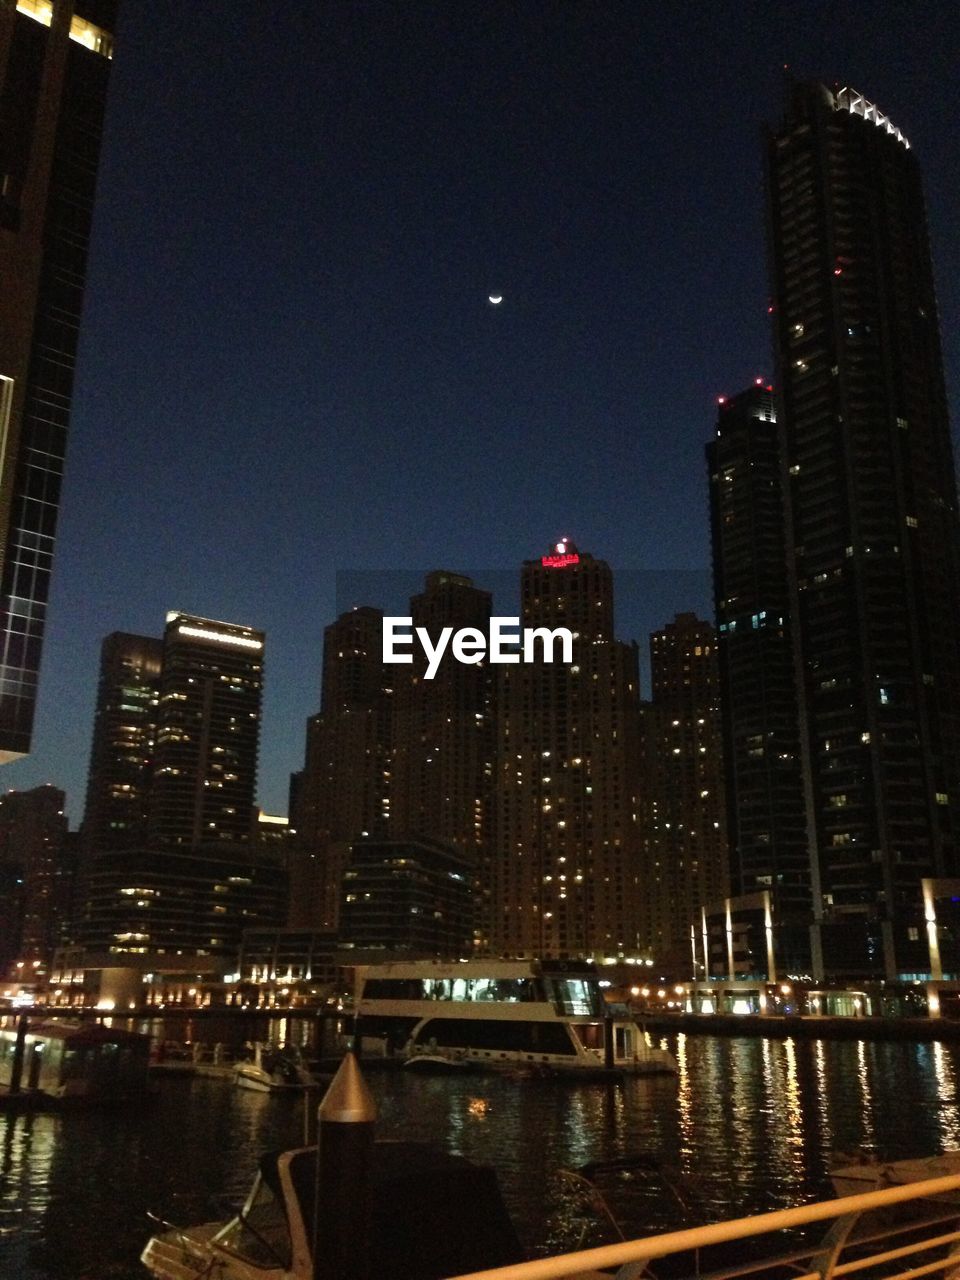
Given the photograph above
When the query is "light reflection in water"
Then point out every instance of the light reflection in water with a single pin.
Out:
(684, 1103)
(948, 1113)
(866, 1097)
(754, 1123)
(823, 1096)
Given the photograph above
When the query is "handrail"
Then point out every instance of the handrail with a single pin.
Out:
(673, 1242)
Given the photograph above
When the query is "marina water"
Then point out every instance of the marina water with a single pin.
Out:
(749, 1125)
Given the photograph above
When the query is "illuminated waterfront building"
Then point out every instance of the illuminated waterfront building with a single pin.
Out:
(392, 755)
(124, 733)
(177, 861)
(344, 791)
(54, 71)
(208, 733)
(442, 767)
(565, 844)
(181, 900)
(684, 798)
(407, 897)
(36, 867)
(761, 734)
(871, 526)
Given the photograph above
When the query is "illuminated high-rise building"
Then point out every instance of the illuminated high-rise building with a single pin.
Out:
(565, 842)
(54, 70)
(36, 865)
(443, 731)
(175, 859)
(872, 545)
(124, 733)
(344, 792)
(766, 817)
(208, 733)
(686, 863)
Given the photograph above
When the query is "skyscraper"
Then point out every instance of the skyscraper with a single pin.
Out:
(35, 874)
(54, 70)
(208, 733)
(687, 865)
(392, 756)
(124, 733)
(173, 865)
(565, 839)
(761, 735)
(345, 790)
(871, 525)
(443, 731)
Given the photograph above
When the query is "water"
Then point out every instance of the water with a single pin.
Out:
(750, 1124)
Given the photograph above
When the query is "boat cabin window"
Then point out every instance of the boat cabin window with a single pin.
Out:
(259, 1234)
(505, 990)
(576, 996)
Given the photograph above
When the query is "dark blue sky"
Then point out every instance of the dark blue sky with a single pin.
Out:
(289, 369)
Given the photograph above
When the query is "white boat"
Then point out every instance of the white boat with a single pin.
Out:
(547, 1017)
(854, 1174)
(415, 1189)
(438, 1064)
(273, 1070)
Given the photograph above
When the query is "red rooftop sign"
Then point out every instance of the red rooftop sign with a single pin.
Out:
(560, 562)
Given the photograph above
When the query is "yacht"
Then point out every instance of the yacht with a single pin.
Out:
(538, 1017)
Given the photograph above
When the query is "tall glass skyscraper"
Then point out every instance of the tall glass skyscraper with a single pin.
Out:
(872, 545)
(54, 69)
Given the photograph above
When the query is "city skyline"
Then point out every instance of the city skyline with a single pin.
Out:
(633, 352)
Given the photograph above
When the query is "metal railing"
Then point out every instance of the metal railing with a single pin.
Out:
(899, 1233)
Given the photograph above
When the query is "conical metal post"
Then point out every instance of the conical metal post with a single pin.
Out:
(345, 1124)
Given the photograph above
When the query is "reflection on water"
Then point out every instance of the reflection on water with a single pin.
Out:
(750, 1124)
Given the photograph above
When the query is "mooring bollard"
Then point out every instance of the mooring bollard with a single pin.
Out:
(19, 1050)
(609, 1060)
(345, 1123)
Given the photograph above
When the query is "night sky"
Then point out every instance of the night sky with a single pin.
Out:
(293, 395)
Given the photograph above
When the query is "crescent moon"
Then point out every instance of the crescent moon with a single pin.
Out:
(495, 298)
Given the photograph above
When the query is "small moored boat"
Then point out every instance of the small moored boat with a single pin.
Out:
(433, 1215)
(853, 1174)
(273, 1070)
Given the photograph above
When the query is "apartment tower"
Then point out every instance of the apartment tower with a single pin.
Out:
(684, 796)
(871, 525)
(54, 70)
(761, 737)
(565, 839)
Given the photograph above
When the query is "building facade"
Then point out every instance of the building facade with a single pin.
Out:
(761, 736)
(54, 72)
(176, 861)
(181, 901)
(443, 734)
(407, 897)
(208, 733)
(565, 842)
(124, 736)
(871, 526)
(345, 788)
(36, 870)
(684, 798)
